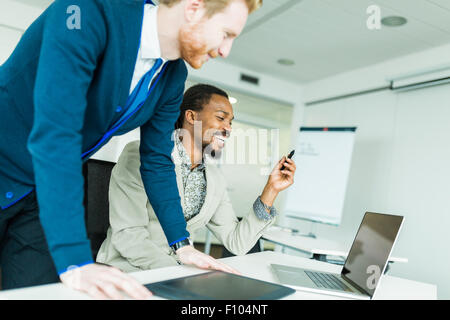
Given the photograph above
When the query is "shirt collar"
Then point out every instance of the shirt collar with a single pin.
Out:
(150, 47)
(185, 159)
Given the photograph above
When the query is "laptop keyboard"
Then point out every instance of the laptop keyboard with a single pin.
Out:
(326, 280)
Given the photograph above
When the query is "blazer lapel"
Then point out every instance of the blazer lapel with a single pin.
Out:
(176, 160)
(211, 189)
(210, 199)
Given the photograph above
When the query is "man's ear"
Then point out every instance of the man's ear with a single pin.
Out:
(190, 116)
(194, 10)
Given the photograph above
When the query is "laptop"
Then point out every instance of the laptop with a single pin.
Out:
(363, 268)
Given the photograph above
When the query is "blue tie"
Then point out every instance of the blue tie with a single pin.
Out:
(135, 99)
(140, 92)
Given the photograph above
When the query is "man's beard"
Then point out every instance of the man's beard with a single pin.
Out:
(192, 46)
(209, 151)
(214, 154)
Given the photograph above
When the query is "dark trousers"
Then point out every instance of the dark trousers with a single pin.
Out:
(24, 256)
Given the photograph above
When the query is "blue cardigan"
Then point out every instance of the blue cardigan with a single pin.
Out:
(61, 93)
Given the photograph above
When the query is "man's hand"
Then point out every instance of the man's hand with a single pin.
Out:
(104, 282)
(278, 180)
(190, 255)
(281, 179)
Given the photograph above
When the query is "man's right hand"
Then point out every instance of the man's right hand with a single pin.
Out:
(190, 255)
(104, 282)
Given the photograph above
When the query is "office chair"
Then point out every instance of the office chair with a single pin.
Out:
(256, 248)
(97, 174)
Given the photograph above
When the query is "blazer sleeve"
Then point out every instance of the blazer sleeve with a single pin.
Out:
(237, 236)
(157, 168)
(67, 61)
(129, 217)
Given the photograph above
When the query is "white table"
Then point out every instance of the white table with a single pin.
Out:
(253, 265)
(318, 248)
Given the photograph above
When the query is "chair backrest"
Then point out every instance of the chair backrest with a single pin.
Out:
(97, 174)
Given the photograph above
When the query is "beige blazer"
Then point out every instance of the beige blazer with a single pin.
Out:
(135, 239)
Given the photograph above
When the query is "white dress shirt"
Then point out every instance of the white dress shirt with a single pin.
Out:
(149, 49)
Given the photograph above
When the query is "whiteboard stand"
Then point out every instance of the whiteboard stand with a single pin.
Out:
(323, 156)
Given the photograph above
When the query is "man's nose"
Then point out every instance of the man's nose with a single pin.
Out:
(225, 48)
(227, 130)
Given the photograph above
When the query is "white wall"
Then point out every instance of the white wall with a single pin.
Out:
(228, 76)
(375, 76)
(400, 163)
(18, 17)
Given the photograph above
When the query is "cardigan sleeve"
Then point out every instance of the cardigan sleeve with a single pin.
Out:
(68, 58)
(237, 236)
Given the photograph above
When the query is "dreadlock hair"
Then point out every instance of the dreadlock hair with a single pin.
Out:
(195, 98)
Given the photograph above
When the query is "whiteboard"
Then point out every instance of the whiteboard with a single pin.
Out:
(323, 158)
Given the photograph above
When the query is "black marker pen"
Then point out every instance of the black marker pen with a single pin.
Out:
(289, 157)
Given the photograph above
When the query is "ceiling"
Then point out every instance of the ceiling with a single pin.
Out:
(323, 37)
(326, 37)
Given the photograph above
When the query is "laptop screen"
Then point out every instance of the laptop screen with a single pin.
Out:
(371, 249)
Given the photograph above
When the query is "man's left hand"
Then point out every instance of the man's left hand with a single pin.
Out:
(281, 179)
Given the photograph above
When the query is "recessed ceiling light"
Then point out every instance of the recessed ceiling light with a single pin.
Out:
(233, 100)
(286, 62)
(393, 21)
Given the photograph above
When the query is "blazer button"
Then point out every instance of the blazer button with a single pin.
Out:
(9, 195)
(118, 109)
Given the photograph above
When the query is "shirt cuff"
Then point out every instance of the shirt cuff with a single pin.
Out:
(260, 210)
